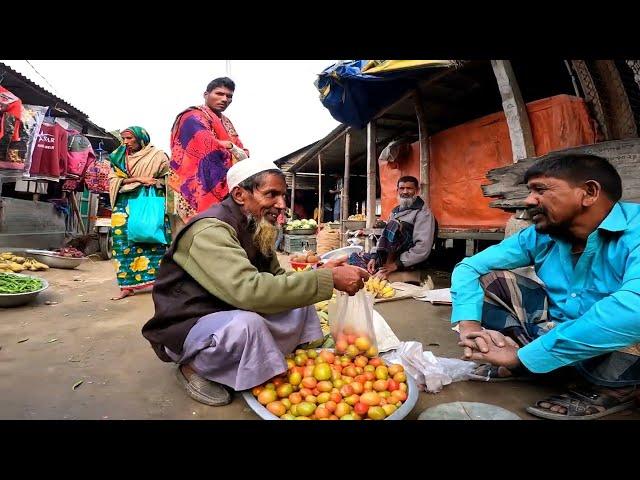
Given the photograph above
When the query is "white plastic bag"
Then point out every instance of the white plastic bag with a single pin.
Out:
(351, 322)
(430, 373)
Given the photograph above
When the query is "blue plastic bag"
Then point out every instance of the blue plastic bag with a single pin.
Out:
(146, 218)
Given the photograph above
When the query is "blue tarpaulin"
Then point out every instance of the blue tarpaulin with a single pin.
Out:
(354, 91)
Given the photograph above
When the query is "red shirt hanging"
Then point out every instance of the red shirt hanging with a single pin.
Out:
(50, 153)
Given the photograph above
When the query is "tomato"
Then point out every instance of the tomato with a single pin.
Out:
(393, 385)
(284, 390)
(277, 408)
(372, 352)
(295, 398)
(376, 361)
(331, 406)
(324, 397)
(336, 397)
(324, 386)
(360, 361)
(352, 351)
(306, 408)
(328, 356)
(348, 416)
(290, 363)
(311, 399)
(287, 416)
(322, 412)
(363, 344)
(342, 409)
(346, 390)
(395, 368)
(286, 402)
(305, 392)
(309, 382)
(341, 346)
(400, 377)
(300, 360)
(370, 398)
(380, 385)
(389, 409)
(295, 378)
(352, 399)
(349, 371)
(311, 353)
(267, 396)
(376, 413)
(361, 408)
(256, 390)
(357, 387)
(382, 373)
(322, 371)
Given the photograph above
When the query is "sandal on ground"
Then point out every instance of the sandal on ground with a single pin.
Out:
(586, 404)
(491, 373)
(203, 390)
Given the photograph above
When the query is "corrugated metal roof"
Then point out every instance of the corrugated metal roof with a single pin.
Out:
(32, 93)
(13, 80)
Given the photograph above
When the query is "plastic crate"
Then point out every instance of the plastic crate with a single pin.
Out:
(297, 243)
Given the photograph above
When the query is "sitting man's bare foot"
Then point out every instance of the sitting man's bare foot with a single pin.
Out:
(123, 294)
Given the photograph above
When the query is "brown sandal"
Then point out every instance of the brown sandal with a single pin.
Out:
(587, 404)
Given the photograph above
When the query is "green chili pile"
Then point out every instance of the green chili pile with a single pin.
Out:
(11, 283)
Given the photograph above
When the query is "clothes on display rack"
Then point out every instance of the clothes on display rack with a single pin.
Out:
(50, 154)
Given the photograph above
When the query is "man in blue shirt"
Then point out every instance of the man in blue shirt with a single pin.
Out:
(585, 247)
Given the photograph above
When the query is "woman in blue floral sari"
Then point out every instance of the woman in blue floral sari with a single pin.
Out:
(135, 164)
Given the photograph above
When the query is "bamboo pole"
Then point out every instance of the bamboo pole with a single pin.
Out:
(344, 199)
(371, 174)
(320, 202)
(424, 148)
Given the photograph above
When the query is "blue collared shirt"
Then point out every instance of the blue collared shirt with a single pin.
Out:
(595, 304)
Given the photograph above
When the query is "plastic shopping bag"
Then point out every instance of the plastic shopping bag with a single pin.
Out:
(146, 218)
(351, 322)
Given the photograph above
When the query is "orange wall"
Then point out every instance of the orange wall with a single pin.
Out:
(461, 156)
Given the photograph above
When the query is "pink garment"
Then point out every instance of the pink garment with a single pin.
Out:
(80, 154)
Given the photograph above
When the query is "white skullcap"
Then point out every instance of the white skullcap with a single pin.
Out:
(247, 168)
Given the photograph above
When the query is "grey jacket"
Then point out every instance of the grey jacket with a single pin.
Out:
(423, 232)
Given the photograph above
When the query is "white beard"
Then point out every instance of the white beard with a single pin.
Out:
(406, 202)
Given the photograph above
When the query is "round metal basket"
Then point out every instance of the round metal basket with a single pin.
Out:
(402, 412)
(17, 299)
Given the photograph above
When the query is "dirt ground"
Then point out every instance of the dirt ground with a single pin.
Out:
(74, 333)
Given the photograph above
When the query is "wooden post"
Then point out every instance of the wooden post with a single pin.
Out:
(372, 159)
(320, 202)
(344, 199)
(76, 210)
(515, 110)
(424, 148)
(293, 192)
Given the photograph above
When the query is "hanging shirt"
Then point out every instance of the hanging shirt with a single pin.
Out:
(80, 154)
(50, 154)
